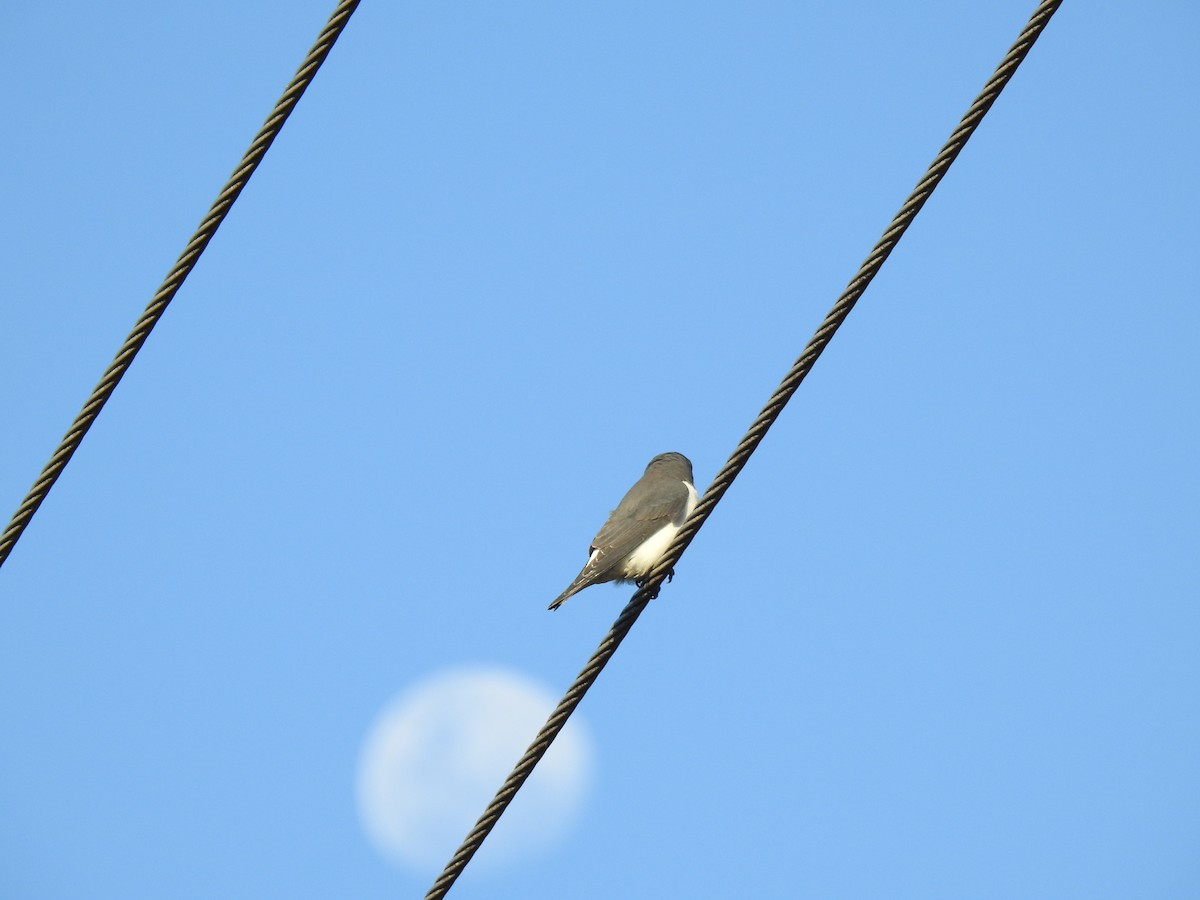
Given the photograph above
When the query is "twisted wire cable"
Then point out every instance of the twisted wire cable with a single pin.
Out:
(737, 461)
(174, 280)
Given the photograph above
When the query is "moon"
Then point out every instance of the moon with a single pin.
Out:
(436, 754)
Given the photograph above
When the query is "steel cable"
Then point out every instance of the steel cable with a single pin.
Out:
(174, 280)
(737, 461)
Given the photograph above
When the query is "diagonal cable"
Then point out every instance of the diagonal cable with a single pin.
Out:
(796, 374)
(174, 280)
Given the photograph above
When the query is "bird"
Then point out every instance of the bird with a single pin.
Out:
(641, 528)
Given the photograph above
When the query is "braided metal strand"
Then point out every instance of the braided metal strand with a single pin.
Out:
(737, 461)
(183, 267)
(858, 284)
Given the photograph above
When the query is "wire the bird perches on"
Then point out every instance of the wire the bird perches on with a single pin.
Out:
(737, 461)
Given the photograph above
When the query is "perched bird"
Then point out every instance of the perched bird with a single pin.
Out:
(641, 528)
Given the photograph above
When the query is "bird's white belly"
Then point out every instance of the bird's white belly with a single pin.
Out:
(650, 551)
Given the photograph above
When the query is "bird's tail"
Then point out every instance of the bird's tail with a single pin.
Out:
(581, 581)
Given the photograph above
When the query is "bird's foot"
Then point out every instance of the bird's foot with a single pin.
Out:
(641, 583)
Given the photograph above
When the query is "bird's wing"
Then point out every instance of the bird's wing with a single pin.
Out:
(641, 513)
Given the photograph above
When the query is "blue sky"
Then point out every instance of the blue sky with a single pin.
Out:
(939, 640)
